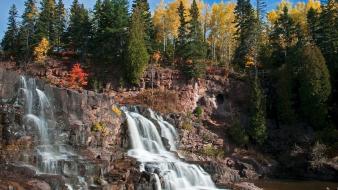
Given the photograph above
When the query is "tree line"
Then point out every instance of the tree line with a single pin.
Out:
(296, 45)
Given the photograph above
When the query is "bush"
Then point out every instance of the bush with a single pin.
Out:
(77, 77)
(209, 150)
(187, 125)
(100, 127)
(116, 111)
(198, 111)
(318, 155)
(238, 134)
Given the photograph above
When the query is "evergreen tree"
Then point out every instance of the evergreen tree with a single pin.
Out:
(257, 129)
(328, 43)
(46, 21)
(26, 36)
(79, 28)
(315, 87)
(182, 30)
(313, 25)
(285, 105)
(9, 42)
(148, 22)
(194, 50)
(137, 51)
(282, 37)
(110, 36)
(60, 24)
(246, 32)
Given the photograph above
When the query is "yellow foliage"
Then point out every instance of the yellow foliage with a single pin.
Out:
(40, 51)
(166, 19)
(100, 127)
(116, 111)
(222, 30)
(298, 12)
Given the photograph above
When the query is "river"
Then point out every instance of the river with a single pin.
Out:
(296, 185)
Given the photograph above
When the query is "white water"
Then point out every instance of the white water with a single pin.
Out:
(147, 147)
(52, 157)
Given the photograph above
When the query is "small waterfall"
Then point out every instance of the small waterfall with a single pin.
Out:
(147, 147)
(52, 157)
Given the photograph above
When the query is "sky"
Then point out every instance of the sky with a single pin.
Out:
(6, 4)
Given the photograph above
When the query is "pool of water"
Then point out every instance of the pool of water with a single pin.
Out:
(296, 185)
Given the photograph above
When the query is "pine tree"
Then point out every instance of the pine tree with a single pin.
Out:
(110, 36)
(282, 37)
(148, 22)
(79, 28)
(182, 30)
(315, 87)
(257, 129)
(285, 105)
(26, 35)
(60, 24)
(194, 50)
(9, 42)
(137, 51)
(246, 32)
(313, 25)
(46, 21)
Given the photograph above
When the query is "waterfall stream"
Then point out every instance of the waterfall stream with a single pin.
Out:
(52, 156)
(148, 148)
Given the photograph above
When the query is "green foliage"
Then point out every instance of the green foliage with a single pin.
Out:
(26, 34)
(238, 134)
(9, 42)
(198, 111)
(209, 150)
(79, 28)
(285, 108)
(109, 33)
(315, 87)
(194, 69)
(182, 30)
(60, 24)
(137, 51)
(282, 38)
(149, 29)
(246, 23)
(257, 113)
(45, 26)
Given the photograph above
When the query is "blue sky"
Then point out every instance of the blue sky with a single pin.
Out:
(5, 5)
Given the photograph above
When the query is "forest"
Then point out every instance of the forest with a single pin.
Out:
(289, 55)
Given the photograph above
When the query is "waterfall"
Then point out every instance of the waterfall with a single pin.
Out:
(52, 157)
(148, 148)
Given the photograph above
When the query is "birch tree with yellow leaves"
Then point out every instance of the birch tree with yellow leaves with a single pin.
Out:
(40, 51)
(222, 32)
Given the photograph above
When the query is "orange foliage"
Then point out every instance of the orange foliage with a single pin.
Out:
(77, 77)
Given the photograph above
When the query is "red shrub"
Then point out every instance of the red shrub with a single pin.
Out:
(77, 77)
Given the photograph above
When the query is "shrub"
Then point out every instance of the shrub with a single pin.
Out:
(198, 111)
(187, 125)
(238, 134)
(116, 111)
(209, 150)
(100, 127)
(318, 155)
(77, 77)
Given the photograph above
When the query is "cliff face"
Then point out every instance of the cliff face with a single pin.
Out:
(78, 114)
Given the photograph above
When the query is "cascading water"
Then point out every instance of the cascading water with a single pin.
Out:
(148, 148)
(52, 157)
